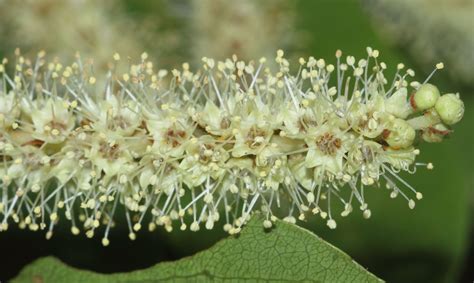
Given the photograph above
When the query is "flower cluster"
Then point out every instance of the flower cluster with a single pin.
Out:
(209, 146)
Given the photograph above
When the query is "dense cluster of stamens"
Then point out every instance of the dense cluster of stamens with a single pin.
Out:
(213, 145)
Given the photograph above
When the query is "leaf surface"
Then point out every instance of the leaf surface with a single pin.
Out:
(286, 253)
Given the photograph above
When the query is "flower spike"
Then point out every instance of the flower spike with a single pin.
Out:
(218, 144)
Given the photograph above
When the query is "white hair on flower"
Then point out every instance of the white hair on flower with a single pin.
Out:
(213, 145)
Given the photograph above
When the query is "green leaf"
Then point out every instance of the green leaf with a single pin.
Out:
(286, 253)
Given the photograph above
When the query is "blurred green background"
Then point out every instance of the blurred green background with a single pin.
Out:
(433, 243)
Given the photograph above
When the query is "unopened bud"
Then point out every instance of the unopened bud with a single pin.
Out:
(450, 108)
(425, 97)
(400, 135)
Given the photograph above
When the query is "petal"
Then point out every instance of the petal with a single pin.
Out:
(313, 158)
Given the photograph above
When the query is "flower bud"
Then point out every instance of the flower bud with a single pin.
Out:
(450, 108)
(425, 97)
(400, 134)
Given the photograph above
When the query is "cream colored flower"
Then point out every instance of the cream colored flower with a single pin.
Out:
(326, 148)
(205, 159)
(117, 115)
(170, 133)
(52, 121)
(215, 120)
(368, 118)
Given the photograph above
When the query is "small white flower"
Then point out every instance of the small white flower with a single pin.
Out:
(326, 148)
(52, 120)
(170, 133)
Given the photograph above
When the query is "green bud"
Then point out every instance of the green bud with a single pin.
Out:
(450, 108)
(435, 133)
(425, 97)
(400, 134)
